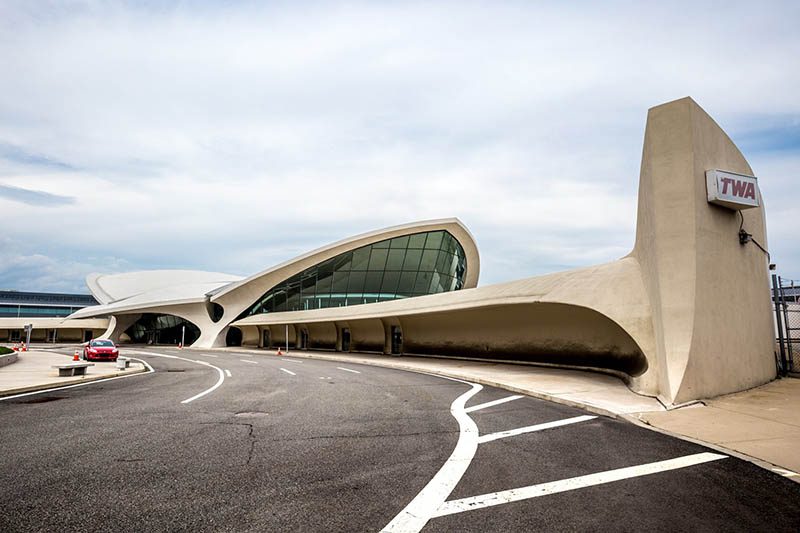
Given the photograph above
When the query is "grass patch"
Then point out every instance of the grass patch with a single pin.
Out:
(4, 350)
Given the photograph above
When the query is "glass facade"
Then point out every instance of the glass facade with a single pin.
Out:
(411, 265)
(162, 329)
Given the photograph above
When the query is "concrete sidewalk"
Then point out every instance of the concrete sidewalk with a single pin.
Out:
(762, 423)
(33, 371)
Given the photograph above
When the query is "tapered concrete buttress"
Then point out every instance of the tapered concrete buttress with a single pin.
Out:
(709, 295)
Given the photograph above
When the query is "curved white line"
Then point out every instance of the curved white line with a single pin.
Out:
(207, 391)
(424, 506)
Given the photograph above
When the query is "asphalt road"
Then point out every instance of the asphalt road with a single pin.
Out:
(285, 444)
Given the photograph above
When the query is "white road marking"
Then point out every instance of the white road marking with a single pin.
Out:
(208, 355)
(784, 472)
(348, 370)
(292, 361)
(564, 485)
(538, 427)
(424, 506)
(248, 361)
(196, 396)
(288, 372)
(492, 403)
(228, 372)
(149, 370)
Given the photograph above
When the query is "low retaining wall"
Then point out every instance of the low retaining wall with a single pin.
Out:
(8, 358)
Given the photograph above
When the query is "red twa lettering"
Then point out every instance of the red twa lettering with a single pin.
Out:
(738, 187)
(750, 192)
(725, 182)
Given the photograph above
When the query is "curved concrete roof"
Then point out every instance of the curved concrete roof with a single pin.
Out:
(241, 294)
(139, 291)
(108, 288)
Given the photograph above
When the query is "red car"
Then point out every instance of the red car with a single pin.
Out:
(100, 349)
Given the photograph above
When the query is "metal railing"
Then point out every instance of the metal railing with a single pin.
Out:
(786, 299)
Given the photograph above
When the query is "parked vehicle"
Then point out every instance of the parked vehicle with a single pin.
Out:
(100, 350)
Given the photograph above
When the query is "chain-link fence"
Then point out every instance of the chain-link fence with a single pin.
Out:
(786, 297)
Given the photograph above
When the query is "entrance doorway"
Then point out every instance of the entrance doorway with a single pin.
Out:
(233, 337)
(87, 335)
(303, 340)
(345, 340)
(397, 340)
(265, 340)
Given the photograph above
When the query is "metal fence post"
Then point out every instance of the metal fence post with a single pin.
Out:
(776, 296)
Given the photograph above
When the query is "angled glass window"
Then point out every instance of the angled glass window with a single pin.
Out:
(402, 267)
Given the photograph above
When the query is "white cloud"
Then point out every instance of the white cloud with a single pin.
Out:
(231, 137)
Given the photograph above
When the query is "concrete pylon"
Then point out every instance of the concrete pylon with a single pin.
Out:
(709, 295)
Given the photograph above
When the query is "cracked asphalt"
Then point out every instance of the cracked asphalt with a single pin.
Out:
(331, 450)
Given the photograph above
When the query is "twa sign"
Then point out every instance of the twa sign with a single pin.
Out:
(734, 191)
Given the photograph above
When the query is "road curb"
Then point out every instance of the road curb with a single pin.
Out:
(633, 419)
(65, 383)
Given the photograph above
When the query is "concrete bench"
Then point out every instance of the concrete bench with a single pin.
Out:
(123, 363)
(72, 369)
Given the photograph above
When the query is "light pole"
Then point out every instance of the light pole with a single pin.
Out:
(287, 338)
(183, 334)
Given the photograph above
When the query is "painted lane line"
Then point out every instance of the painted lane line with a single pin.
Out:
(288, 372)
(348, 370)
(208, 355)
(492, 403)
(228, 372)
(424, 506)
(538, 427)
(564, 485)
(784, 472)
(248, 361)
(149, 371)
(292, 361)
(214, 387)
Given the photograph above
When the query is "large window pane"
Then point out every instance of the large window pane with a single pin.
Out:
(434, 240)
(339, 282)
(395, 261)
(406, 285)
(423, 283)
(343, 262)
(324, 283)
(417, 240)
(361, 258)
(428, 262)
(412, 260)
(400, 242)
(377, 261)
(356, 285)
(389, 284)
(372, 282)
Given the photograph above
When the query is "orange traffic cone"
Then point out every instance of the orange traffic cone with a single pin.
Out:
(75, 356)
(180, 346)
(279, 352)
(24, 348)
(16, 347)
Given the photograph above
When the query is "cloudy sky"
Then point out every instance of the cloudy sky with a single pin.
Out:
(229, 136)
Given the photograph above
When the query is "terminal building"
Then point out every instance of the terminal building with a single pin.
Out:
(685, 315)
(47, 310)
